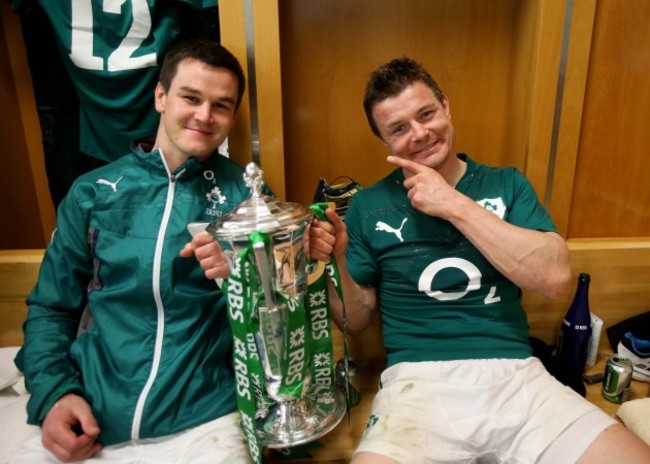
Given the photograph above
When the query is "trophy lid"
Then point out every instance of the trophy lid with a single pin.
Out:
(259, 213)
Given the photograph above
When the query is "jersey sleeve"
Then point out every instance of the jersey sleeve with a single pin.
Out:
(526, 211)
(360, 262)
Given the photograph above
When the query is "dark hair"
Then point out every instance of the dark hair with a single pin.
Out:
(205, 51)
(391, 79)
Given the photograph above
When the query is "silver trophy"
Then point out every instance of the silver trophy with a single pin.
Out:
(282, 274)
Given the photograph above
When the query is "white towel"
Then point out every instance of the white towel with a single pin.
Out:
(635, 414)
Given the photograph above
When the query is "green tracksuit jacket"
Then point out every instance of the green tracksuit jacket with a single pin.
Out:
(118, 316)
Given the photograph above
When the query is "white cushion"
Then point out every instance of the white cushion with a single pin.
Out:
(635, 414)
(14, 430)
(9, 375)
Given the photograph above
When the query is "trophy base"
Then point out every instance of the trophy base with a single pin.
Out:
(295, 422)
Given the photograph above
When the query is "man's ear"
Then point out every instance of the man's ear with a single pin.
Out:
(383, 142)
(159, 96)
(446, 106)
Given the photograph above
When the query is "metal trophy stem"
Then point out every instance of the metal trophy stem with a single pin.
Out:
(281, 267)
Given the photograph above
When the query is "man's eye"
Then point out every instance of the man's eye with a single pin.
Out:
(190, 98)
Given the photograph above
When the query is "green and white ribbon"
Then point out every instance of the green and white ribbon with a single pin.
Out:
(334, 276)
(246, 361)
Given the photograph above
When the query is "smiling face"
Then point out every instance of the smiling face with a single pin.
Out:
(416, 125)
(196, 112)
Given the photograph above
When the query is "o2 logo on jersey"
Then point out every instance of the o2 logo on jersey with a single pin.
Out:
(425, 284)
(122, 58)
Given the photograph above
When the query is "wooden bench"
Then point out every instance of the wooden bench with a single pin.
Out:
(18, 274)
(619, 289)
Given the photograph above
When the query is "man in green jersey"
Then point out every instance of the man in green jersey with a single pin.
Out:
(127, 351)
(442, 247)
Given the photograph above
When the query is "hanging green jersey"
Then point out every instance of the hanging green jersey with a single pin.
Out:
(112, 49)
(440, 298)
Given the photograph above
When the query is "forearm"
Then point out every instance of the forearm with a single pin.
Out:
(533, 260)
(329, 241)
(360, 302)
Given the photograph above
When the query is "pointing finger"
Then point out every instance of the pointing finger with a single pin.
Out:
(410, 166)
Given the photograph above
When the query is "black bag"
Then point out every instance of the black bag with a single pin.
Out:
(340, 192)
(639, 325)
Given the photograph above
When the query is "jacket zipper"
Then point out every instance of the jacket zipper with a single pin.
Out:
(160, 310)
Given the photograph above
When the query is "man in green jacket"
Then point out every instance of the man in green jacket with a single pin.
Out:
(127, 342)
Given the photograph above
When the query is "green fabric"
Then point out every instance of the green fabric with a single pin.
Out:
(440, 297)
(112, 256)
(114, 77)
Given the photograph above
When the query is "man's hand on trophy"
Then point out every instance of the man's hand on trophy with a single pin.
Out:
(209, 254)
(327, 237)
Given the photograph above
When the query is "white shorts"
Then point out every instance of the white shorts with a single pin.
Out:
(218, 441)
(475, 411)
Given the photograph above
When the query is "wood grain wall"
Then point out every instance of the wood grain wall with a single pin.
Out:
(555, 88)
(611, 196)
(25, 205)
(328, 49)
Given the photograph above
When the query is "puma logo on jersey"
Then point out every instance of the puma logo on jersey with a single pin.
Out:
(494, 205)
(112, 184)
(386, 228)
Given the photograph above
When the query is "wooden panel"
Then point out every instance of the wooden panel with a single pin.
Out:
(233, 37)
(18, 274)
(619, 288)
(26, 205)
(541, 89)
(563, 171)
(232, 16)
(611, 195)
(269, 94)
(328, 49)
(525, 42)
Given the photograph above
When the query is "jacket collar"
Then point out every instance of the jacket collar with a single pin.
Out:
(153, 160)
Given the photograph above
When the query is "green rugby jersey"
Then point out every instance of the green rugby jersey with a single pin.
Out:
(112, 50)
(440, 298)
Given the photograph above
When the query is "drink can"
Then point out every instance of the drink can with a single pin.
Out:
(618, 377)
(351, 378)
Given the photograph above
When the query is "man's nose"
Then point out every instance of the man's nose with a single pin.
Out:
(418, 131)
(204, 113)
